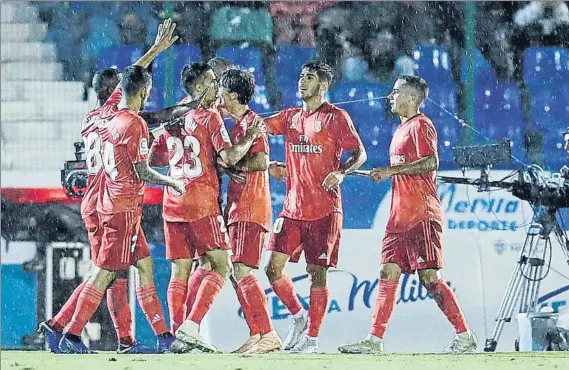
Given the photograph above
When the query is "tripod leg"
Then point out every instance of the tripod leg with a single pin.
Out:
(512, 294)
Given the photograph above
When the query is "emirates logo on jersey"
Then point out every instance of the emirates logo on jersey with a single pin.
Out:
(305, 147)
(397, 159)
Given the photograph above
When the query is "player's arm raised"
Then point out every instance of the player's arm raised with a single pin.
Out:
(231, 156)
(164, 39)
(169, 114)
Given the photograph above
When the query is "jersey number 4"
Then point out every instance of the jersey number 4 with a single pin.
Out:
(97, 158)
(188, 152)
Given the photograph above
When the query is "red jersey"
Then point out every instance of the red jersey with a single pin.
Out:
(90, 126)
(250, 201)
(314, 144)
(124, 142)
(414, 198)
(191, 153)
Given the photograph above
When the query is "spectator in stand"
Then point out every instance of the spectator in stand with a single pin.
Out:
(294, 22)
(193, 21)
(539, 23)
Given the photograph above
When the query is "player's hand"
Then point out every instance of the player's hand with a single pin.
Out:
(165, 37)
(564, 171)
(257, 128)
(333, 180)
(277, 170)
(238, 177)
(178, 186)
(380, 173)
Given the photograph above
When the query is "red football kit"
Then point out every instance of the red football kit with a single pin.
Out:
(248, 210)
(193, 223)
(124, 141)
(413, 232)
(312, 217)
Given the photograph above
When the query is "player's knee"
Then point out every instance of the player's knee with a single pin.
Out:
(101, 278)
(145, 268)
(428, 277)
(390, 271)
(181, 269)
(241, 270)
(220, 262)
(318, 275)
(275, 268)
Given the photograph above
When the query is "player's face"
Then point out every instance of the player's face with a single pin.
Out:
(209, 81)
(308, 84)
(225, 98)
(399, 97)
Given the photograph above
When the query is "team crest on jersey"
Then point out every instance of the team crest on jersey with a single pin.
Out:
(224, 134)
(318, 126)
(294, 121)
(143, 146)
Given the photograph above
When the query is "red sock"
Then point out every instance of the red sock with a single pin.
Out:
(446, 300)
(256, 304)
(384, 306)
(148, 300)
(193, 286)
(117, 303)
(176, 298)
(317, 310)
(63, 317)
(209, 289)
(87, 304)
(253, 328)
(284, 289)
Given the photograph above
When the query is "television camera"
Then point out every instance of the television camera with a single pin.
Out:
(74, 173)
(546, 194)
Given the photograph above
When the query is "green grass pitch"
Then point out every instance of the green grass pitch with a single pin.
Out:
(19, 360)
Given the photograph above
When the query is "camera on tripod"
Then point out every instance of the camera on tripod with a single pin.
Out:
(74, 174)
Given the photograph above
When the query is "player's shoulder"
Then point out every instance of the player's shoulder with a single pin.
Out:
(90, 119)
(423, 120)
(330, 108)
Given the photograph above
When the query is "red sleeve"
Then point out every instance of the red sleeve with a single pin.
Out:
(425, 138)
(136, 140)
(218, 133)
(347, 134)
(261, 145)
(276, 124)
(159, 152)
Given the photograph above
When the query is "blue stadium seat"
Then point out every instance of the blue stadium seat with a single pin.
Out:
(289, 61)
(361, 100)
(484, 75)
(546, 66)
(554, 154)
(290, 97)
(277, 148)
(432, 63)
(441, 98)
(183, 54)
(118, 56)
(550, 108)
(498, 112)
(376, 139)
(245, 57)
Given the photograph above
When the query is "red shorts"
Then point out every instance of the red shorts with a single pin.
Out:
(94, 233)
(417, 249)
(189, 240)
(123, 242)
(246, 239)
(319, 239)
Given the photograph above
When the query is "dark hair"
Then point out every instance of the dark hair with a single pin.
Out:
(418, 84)
(135, 78)
(241, 82)
(323, 70)
(191, 74)
(105, 81)
(219, 65)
